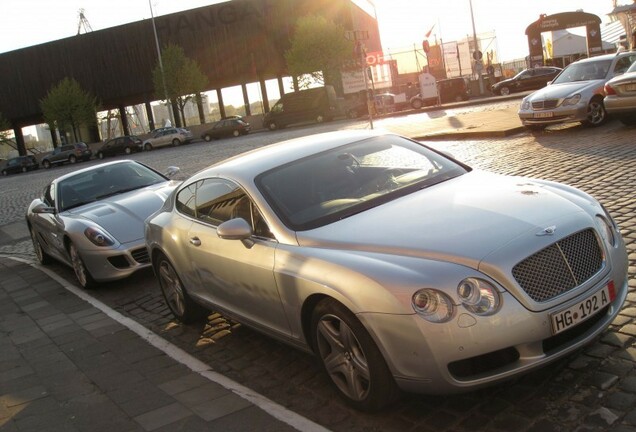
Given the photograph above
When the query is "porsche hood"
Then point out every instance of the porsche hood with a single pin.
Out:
(123, 216)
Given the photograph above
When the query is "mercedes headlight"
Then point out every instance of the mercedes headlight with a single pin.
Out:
(572, 100)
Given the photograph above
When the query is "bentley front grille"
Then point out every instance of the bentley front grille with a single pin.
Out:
(560, 267)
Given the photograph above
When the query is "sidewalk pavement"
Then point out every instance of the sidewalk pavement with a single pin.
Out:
(69, 363)
(443, 123)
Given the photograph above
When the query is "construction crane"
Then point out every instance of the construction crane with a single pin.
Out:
(83, 23)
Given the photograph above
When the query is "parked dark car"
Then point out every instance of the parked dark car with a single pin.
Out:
(70, 153)
(225, 128)
(528, 79)
(449, 90)
(316, 104)
(120, 145)
(19, 164)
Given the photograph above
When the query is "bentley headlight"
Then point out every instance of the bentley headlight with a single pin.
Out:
(572, 100)
(478, 296)
(98, 237)
(606, 231)
(433, 305)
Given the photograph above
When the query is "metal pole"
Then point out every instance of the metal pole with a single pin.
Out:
(163, 77)
(472, 17)
(369, 98)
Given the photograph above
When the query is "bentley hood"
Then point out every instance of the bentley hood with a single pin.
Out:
(463, 220)
(123, 216)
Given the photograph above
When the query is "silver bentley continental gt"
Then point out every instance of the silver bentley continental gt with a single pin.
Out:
(93, 219)
(398, 266)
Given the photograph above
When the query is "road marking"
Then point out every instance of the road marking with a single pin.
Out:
(277, 411)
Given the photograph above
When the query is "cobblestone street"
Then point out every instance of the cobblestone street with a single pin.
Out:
(594, 390)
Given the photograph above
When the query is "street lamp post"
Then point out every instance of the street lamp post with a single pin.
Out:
(476, 56)
(163, 77)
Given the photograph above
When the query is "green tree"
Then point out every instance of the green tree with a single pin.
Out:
(68, 107)
(318, 48)
(182, 77)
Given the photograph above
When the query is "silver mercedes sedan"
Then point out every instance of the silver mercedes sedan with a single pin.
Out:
(398, 266)
(93, 219)
(576, 94)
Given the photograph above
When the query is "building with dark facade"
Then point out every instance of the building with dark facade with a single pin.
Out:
(235, 43)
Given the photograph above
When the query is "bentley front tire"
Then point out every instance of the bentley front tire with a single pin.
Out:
(180, 303)
(351, 358)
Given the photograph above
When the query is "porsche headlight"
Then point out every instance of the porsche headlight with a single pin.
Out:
(572, 100)
(98, 237)
(478, 296)
(433, 305)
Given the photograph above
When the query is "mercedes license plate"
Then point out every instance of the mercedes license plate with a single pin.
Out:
(546, 114)
(630, 87)
(583, 310)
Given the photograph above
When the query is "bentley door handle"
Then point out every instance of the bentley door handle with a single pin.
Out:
(195, 241)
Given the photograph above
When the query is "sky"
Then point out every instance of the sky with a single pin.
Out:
(402, 22)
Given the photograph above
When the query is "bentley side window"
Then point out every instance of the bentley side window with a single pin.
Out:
(219, 200)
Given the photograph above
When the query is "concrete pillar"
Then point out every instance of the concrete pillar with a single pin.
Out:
(219, 96)
(199, 100)
(19, 140)
(124, 120)
(149, 114)
(265, 98)
(246, 100)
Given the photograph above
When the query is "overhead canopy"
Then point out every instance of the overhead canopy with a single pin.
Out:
(561, 21)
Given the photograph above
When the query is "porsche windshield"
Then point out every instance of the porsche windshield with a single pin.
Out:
(93, 185)
(340, 182)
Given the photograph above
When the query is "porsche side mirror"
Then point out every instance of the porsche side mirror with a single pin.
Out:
(42, 208)
(172, 171)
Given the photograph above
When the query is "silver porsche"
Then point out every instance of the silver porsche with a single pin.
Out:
(93, 219)
(398, 266)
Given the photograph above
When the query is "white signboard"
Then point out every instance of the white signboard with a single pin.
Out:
(428, 86)
(353, 81)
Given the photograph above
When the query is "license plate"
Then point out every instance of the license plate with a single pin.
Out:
(583, 310)
(546, 114)
(630, 87)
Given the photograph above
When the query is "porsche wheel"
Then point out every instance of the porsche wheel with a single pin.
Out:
(43, 257)
(178, 300)
(82, 274)
(350, 357)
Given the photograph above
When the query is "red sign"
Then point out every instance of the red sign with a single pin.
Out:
(375, 58)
